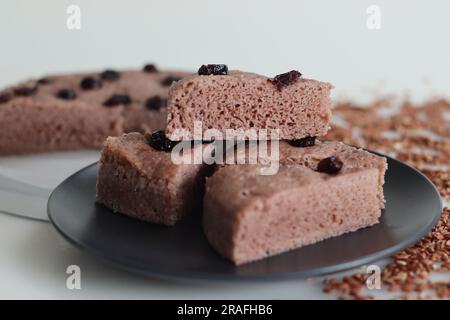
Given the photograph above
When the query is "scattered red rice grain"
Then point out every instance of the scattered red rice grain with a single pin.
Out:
(409, 271)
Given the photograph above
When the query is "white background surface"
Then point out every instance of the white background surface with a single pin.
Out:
(327, 40)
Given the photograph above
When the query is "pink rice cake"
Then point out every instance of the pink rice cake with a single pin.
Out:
(248, 216)
(78, 111)
(241, 101)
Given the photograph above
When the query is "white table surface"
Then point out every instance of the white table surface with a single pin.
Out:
(34, 257)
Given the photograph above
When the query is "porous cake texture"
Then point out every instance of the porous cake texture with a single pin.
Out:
(136, 180)
(243, 101)
(78, 111)
(248, 216)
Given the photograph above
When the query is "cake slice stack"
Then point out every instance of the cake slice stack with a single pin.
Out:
(320, 189)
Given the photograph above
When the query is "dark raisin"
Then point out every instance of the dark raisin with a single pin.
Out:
(150, 68)
(155, 103)
(285, 79)
(331, 165)
(66, 94)
(304, 142)
(159, 141)
(5, 97)
(110, 75)
(213, 69)
(90, 83)
(25, 91)
(117, 99)
(42, 81)
(196, 142)
(169, 79)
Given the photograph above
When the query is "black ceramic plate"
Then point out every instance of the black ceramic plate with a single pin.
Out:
(413, 207)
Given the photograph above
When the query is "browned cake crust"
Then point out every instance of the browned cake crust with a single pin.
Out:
(44, 119)
(243, 101)
(249, 216)
(310, 156)
(143, 183)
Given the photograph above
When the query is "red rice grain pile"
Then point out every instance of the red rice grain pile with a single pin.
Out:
(420, 136)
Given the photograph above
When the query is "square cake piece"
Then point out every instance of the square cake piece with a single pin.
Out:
(79, 111)
(241, 101)
(137, 180)
(248, 216)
